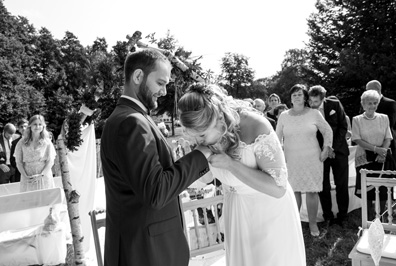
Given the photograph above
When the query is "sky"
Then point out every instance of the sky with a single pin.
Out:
(262, 30)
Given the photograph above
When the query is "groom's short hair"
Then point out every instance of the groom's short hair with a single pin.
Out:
(146, 60)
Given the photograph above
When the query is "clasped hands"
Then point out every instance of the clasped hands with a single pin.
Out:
(381, 154)
(327, 152)
(33, 178)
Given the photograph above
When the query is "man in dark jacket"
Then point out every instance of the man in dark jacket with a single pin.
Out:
(142, 182)
(6, 170)
(21, 127)
(333, 112)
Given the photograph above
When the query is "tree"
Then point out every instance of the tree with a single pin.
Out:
(352, 42)
(236, 74)
(181, 77)
(294, 70)
(258, 89)
(17, 69)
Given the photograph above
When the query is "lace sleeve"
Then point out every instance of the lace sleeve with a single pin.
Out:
(270, 158)
(325, 129)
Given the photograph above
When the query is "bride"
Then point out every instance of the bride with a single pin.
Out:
(261, 220)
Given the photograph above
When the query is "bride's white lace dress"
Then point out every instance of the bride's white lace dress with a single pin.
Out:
(260, 229)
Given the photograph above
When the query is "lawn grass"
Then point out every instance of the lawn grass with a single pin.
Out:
(334, 244)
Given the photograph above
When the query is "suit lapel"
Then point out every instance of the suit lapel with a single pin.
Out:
(137, 108)
(325, 109)
(157, 130)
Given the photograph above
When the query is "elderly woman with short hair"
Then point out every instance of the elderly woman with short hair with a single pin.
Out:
(371, 132)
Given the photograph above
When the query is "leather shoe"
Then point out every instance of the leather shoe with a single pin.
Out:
(337, 221)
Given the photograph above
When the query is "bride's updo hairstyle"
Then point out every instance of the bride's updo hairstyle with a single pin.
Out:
(203, 104)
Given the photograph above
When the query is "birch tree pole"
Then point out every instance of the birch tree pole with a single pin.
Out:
(72, 136)
(72, 198)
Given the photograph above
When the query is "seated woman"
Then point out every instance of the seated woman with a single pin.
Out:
(261, 221)
(371, 132)
(34, 156)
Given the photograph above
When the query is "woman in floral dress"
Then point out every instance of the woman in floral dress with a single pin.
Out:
(34, 156)
(296, 129)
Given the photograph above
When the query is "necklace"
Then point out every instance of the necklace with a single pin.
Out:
(369, 118)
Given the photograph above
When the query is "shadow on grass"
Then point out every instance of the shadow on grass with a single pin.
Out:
(334, 244)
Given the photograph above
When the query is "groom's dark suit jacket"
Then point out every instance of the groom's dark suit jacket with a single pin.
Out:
(335, 116)
(143, 215)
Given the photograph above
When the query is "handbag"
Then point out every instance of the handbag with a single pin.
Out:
(370, 156)
(389, 164)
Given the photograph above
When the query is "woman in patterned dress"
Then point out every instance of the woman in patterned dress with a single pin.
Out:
(296, 129)
(34, 156)
(261, 221)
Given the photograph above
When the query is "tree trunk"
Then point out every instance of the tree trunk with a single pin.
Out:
(72, 198)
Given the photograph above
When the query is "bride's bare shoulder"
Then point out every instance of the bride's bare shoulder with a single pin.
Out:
(253, 125)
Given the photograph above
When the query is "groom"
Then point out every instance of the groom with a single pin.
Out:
(142, 182)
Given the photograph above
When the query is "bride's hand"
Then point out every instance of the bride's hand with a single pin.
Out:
(220, 160)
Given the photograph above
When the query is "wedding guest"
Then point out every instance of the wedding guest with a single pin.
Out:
(280, 109)
(259, 105)
(250, 101)
(273, 101)
(186, 145)
(34, 156)
(261, 220)
(21, 127)
(333, 112)
(143, 182)
(6, 169)
(296, 129)
(386, 106)
(372, 134)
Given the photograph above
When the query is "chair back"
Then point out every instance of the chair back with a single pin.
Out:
(203, 233)
(375, 183)
(96, 224)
